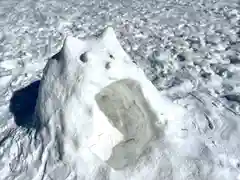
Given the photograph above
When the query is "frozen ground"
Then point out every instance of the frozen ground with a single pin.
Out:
(189, 49)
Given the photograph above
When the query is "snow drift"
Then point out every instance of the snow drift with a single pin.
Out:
(99, 107)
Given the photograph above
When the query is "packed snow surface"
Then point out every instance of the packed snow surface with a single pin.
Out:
(189, 50)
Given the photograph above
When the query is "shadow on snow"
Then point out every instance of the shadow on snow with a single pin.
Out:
(22, 105)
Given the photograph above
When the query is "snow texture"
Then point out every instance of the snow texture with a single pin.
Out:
(189, 50)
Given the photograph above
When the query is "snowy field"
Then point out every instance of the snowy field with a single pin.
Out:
(189, 50)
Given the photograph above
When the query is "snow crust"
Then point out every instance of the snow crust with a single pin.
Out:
(189, 50)
(93, 96)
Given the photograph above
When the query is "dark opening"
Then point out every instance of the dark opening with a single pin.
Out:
(83, 57)
(111, 56)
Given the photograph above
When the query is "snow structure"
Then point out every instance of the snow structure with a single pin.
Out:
(95, 102)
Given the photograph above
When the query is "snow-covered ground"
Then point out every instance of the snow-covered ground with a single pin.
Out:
(190, 50)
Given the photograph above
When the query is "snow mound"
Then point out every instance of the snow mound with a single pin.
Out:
(97, 104)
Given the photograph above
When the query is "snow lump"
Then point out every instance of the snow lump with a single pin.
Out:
(95, 102)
